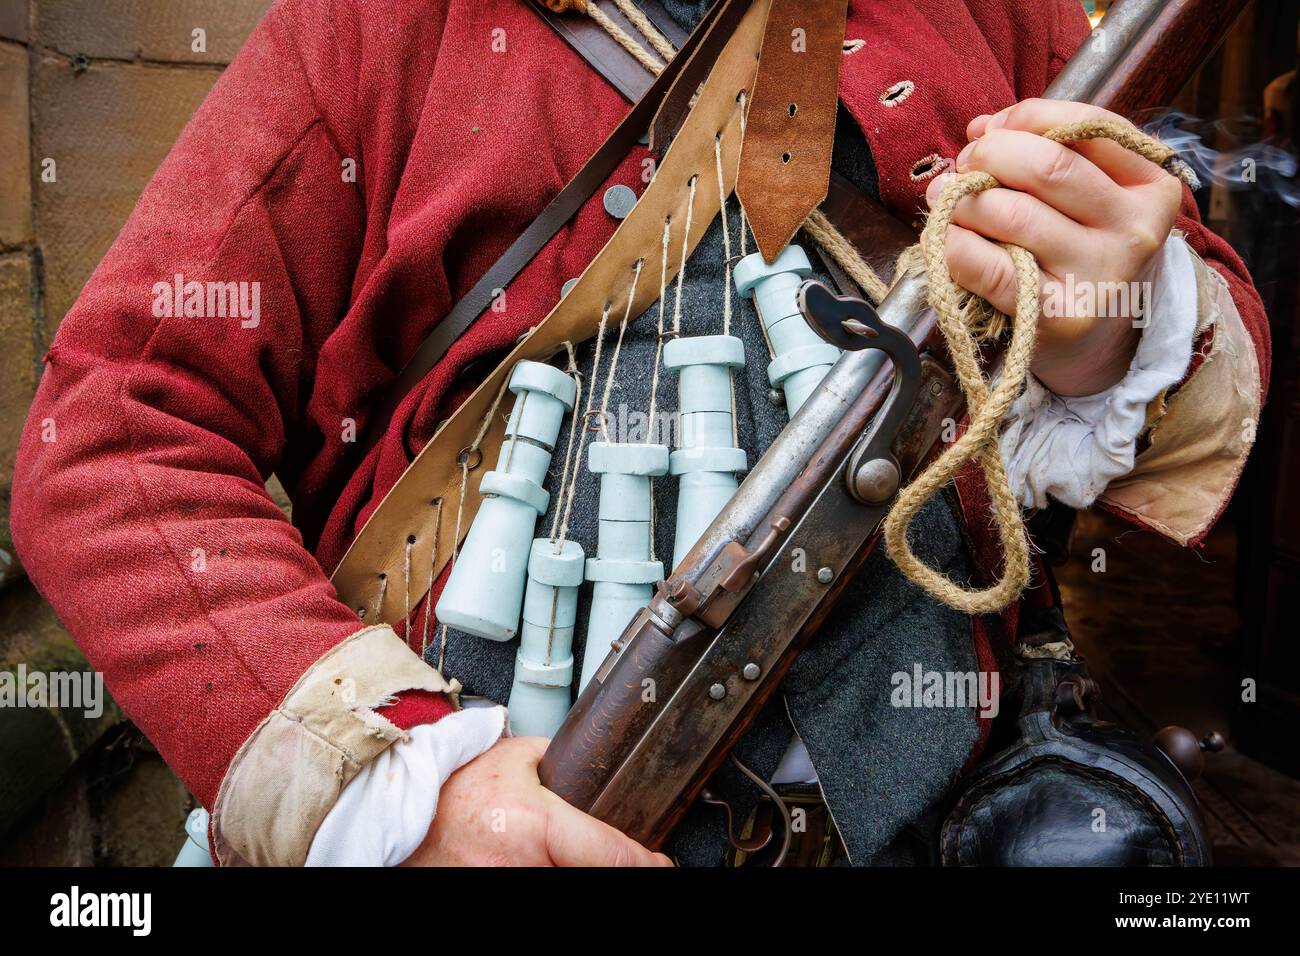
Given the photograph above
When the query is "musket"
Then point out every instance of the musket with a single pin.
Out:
(692, 670)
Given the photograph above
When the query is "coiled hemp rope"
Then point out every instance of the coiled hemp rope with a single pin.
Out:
(986, 402)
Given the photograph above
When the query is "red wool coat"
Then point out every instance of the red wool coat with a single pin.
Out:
(145, 521)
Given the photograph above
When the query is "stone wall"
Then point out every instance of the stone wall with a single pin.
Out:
(92, 95)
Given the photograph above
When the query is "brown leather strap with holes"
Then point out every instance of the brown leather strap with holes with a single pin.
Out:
(790, 132)
(691, 68)
(431, 487)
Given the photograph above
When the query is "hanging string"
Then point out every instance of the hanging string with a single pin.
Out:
(743, 114)
(744, 248)
(618, 349)
(659, 339)
(455, 549)
(591, 395)
(406, 588)
(433, 564)
(726, 280)
(681, 267)
(818, 227)
(570, 445)
(726, 236)
(465, 456)
(651, 421)
(383, 590)
(586, 417)
(522, 400)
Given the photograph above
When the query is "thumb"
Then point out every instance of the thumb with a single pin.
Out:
(534, 747)
(575, 839)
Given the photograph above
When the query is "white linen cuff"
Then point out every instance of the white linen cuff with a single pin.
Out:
(384, 813)
(1070, 449)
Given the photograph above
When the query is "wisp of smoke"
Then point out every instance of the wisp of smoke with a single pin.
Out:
(1254, 166)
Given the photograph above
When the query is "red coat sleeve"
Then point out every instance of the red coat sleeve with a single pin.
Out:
(139, 508)
(1205, 437)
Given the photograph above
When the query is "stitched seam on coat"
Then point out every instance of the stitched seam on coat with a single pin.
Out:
(132, 370)
(152, 516)
(334, 136)
(262, 183)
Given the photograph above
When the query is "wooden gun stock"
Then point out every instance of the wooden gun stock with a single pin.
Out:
(692, 670)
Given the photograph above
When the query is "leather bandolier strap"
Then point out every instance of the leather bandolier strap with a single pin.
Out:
(725, 48)
(691, 69)
(667, 104)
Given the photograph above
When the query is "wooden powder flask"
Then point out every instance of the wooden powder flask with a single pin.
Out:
(692, 670)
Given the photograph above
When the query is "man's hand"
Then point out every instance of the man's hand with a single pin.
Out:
(1094, 213)
(495, 812)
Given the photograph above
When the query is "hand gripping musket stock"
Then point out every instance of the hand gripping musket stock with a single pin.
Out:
(691, 671)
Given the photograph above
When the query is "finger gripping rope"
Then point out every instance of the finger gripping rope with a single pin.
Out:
(964, 321)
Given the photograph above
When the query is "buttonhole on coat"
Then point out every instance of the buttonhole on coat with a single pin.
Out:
(897, 93)
(928, 166)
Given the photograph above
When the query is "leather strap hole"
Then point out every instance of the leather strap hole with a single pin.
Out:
(471, 458)
(785, 159)
(793, 108)
(410, 539)
(361, 613)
